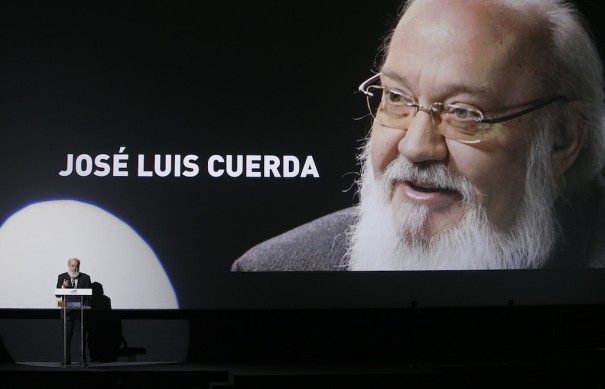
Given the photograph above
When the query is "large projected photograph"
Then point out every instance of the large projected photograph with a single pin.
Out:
(485, 152)
(197, 155)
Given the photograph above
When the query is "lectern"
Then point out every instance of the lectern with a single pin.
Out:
(67, 304)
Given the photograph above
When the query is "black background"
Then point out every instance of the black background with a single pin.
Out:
(206, 78)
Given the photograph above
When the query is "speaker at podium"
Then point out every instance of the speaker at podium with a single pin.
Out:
(72, 306)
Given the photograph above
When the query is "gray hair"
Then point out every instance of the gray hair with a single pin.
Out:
(574, 69)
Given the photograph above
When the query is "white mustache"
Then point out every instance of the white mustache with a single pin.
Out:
(429, 175)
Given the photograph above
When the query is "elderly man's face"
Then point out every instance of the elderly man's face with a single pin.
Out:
(74, 266)
(469, 54)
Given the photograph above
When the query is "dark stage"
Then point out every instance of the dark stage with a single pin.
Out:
(561, 374)
(481, 347)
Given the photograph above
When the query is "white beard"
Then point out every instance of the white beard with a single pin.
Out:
(73, 274)
(377, 243)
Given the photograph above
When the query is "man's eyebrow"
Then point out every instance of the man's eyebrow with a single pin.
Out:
(448, 90)
(395, 76)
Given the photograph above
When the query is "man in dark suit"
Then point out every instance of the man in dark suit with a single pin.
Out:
(73, 278)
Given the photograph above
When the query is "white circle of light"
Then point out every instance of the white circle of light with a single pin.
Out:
(37, 241)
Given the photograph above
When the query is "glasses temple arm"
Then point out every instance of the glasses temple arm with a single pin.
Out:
(539, 105)
(363, 88)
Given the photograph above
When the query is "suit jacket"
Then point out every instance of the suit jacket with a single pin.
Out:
(83, 282)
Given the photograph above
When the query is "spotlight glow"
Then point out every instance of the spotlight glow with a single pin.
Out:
(37, 241)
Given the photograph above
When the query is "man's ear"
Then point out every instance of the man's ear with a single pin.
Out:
(568, 139)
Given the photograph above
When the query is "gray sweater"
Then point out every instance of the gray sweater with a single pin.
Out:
(316, 246)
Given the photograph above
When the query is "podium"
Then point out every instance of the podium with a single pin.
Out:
(66, 305)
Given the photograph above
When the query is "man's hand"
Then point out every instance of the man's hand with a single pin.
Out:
(66, 283)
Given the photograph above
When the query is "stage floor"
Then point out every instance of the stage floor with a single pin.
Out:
(463, 375)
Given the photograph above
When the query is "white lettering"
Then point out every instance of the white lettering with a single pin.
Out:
(272, 166)
(70, 166)
(84, 165)
(191, 168)
(239, 166)
(253, 165)
(211, 166)
(309, 168)
(120, 164)
(101, 163)
(266, 166)
(141, 168)
(291, 166)
(157, 166)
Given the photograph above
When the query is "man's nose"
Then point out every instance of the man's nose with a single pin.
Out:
(422, 140)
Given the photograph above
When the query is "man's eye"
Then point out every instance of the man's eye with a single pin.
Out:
(394, 97)
(461, 113)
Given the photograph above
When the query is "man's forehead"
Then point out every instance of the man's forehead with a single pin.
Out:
(471, 42)
(477, 21)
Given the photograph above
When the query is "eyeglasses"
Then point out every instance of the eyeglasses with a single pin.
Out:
(460, 122)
